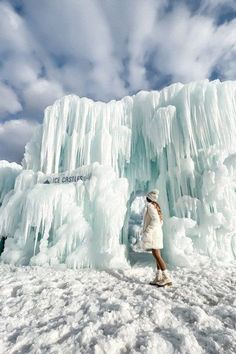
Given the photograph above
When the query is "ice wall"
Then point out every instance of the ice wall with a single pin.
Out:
(76, 224)
(180, 140)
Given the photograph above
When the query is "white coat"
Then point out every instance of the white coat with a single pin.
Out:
(152, 235)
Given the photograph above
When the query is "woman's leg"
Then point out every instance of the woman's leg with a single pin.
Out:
(159, 260)
(166, 280)
(158, 267)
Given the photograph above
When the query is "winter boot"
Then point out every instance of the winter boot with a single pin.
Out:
(157, 278)
(166, 280)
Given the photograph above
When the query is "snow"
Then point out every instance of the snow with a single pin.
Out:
(49, 310)
(180, 140)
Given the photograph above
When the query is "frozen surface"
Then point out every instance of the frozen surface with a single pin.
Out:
(8, 173)
(91, 311)
(180, 140)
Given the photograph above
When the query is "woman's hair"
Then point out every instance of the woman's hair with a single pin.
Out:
(158, 208)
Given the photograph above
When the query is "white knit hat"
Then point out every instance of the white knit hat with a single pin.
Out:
(153, 195)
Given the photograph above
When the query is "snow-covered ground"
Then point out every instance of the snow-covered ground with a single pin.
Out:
(46, 310)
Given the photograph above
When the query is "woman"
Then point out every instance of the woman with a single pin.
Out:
(153, 237)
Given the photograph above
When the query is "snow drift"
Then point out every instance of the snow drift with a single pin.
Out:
(180, 140)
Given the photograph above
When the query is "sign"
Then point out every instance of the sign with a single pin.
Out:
(66, 179)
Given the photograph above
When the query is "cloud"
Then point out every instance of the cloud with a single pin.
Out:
(19, 71)
(22, 64)
(213, 6)
(41, 94)
(9, 102)
(13, 33)
(191, 46)
(78, 39)
(14, 135)
(108, 49)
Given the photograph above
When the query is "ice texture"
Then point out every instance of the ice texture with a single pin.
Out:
(8, 173)
(180, 140)
(76, 223)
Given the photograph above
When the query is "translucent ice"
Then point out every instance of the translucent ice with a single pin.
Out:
(8, 174)
(180, 140)
(77, 223)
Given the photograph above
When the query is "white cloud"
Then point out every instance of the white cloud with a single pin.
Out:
(19, 71)
(79, 35)
(190, 46)
(213, 6)
(107, 49)
(13, 34)
(41, 93)
(14, 135)
(104, 49)
(142, 25)
(9, 102)
(24, 61)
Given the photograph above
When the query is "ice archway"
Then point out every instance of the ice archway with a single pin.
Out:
(180, 140)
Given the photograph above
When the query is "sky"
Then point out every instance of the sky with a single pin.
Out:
(104, 49)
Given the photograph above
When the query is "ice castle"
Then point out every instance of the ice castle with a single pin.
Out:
(78, 197)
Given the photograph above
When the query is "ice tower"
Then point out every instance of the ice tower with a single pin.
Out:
(78, 198)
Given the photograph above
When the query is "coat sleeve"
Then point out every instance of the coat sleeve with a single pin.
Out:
(154, 218)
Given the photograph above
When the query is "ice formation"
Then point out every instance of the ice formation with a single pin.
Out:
(180, 140)
(8, 174)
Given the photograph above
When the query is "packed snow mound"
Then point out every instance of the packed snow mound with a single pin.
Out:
(180, 140)
(117, 311)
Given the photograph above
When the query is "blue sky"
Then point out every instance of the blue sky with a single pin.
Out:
(104, 49)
